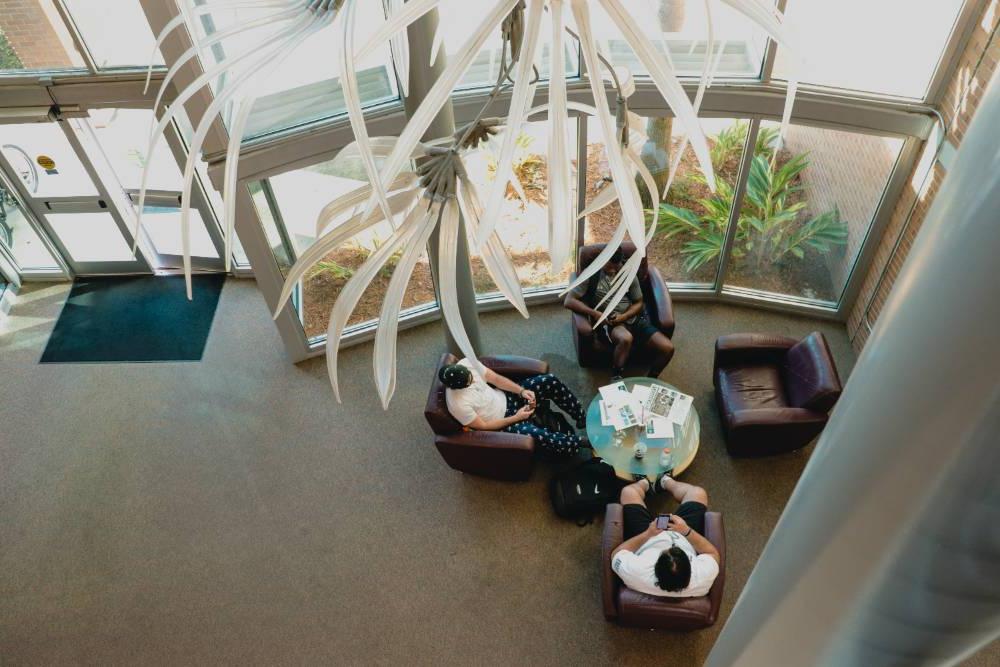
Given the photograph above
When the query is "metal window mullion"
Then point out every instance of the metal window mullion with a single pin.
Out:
(581, 180)
(770, 53)
(734, 214)
(76, 36)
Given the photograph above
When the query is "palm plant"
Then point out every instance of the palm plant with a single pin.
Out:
(768, 228)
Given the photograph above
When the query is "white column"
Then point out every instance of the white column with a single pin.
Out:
(888, 551)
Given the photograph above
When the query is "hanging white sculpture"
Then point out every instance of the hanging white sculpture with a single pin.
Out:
(439, 191)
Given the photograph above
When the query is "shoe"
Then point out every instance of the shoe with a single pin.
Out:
(616, 378)
(657, 486)
(581, 424)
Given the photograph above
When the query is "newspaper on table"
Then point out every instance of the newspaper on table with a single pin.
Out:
(669, 404)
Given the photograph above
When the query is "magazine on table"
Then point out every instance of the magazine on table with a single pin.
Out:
(668, 404)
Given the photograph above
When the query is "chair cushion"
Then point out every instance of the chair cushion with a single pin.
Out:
(750, 387)
(810, 374)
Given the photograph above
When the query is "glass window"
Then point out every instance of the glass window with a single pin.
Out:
(124, 136)
(33, 36)
(44, 159)
(892, 46)
(807, 211)
(122, 41)
(457, 23)
(680, 28)
(289, 205)
(692, 224)
(91, 237)
(17, 235)
(523, 225)
(305, 86)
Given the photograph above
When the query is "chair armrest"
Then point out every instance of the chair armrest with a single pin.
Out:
(582, 326)
(495, 454)
(611, 538)
(766, 431)
(512, 365)
(771, 417)
(716, 534)
(750, 348)
(662, 310)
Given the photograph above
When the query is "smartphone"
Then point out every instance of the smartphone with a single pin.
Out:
(663, 521)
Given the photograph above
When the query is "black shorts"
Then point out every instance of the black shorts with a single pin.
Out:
(642, 330)
(638, 517)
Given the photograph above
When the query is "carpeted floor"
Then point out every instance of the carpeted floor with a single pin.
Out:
(229, 511)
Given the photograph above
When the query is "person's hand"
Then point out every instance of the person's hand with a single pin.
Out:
(678, 525)
(524, 413)
(613, 319)
(528, 395)
(653, 530)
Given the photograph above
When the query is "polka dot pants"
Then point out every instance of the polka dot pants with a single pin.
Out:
(549, 387)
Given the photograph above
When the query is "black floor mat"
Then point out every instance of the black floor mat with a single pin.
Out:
(144, 318)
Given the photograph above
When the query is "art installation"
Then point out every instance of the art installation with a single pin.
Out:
(439, 193)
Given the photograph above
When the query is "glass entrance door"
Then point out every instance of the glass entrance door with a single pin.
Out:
(59, 184)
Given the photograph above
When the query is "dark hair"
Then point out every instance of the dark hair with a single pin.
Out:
(455, 376)
(673, 570)
(617, 257)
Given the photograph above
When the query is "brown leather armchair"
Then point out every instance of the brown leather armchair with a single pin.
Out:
(495, 454)
(590, 350)
(628, 607)
(774, 393)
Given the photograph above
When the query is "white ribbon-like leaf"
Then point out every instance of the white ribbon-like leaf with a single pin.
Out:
(356, 198)
(388, 324)
(348, 298)
(398, 21)
(628, 193)
(268, 64)
(519, 102)
(399, 46)
(440, 93)
(560, 208)
(352, 103)
(447, 261)
(666, 82)
(494, 254)
(334, 238)
(770, 20)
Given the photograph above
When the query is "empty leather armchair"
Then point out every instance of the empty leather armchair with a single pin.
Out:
(495, 454)
(774, 393)
(593, 352)
(628, 607)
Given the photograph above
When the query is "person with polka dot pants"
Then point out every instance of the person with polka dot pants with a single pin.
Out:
(492, 402)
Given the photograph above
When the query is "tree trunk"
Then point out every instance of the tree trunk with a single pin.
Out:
(656, 155)
(656, 151)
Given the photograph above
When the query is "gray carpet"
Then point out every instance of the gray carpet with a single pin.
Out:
(229, 511)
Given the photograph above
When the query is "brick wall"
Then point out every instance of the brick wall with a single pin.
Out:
(847, 171)
(36, 33)
(958, 106)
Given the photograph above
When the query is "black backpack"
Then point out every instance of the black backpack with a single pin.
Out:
(584, 489)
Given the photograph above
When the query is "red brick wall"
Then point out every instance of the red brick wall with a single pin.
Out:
(958, 106)
(37, 34)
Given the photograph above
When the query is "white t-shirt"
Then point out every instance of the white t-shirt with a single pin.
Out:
(479, 399)
(638, 570)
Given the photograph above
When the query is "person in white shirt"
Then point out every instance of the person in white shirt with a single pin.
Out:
(677, 562)
(492, 402)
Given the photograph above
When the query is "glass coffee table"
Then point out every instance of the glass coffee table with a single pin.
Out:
(619, 451)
